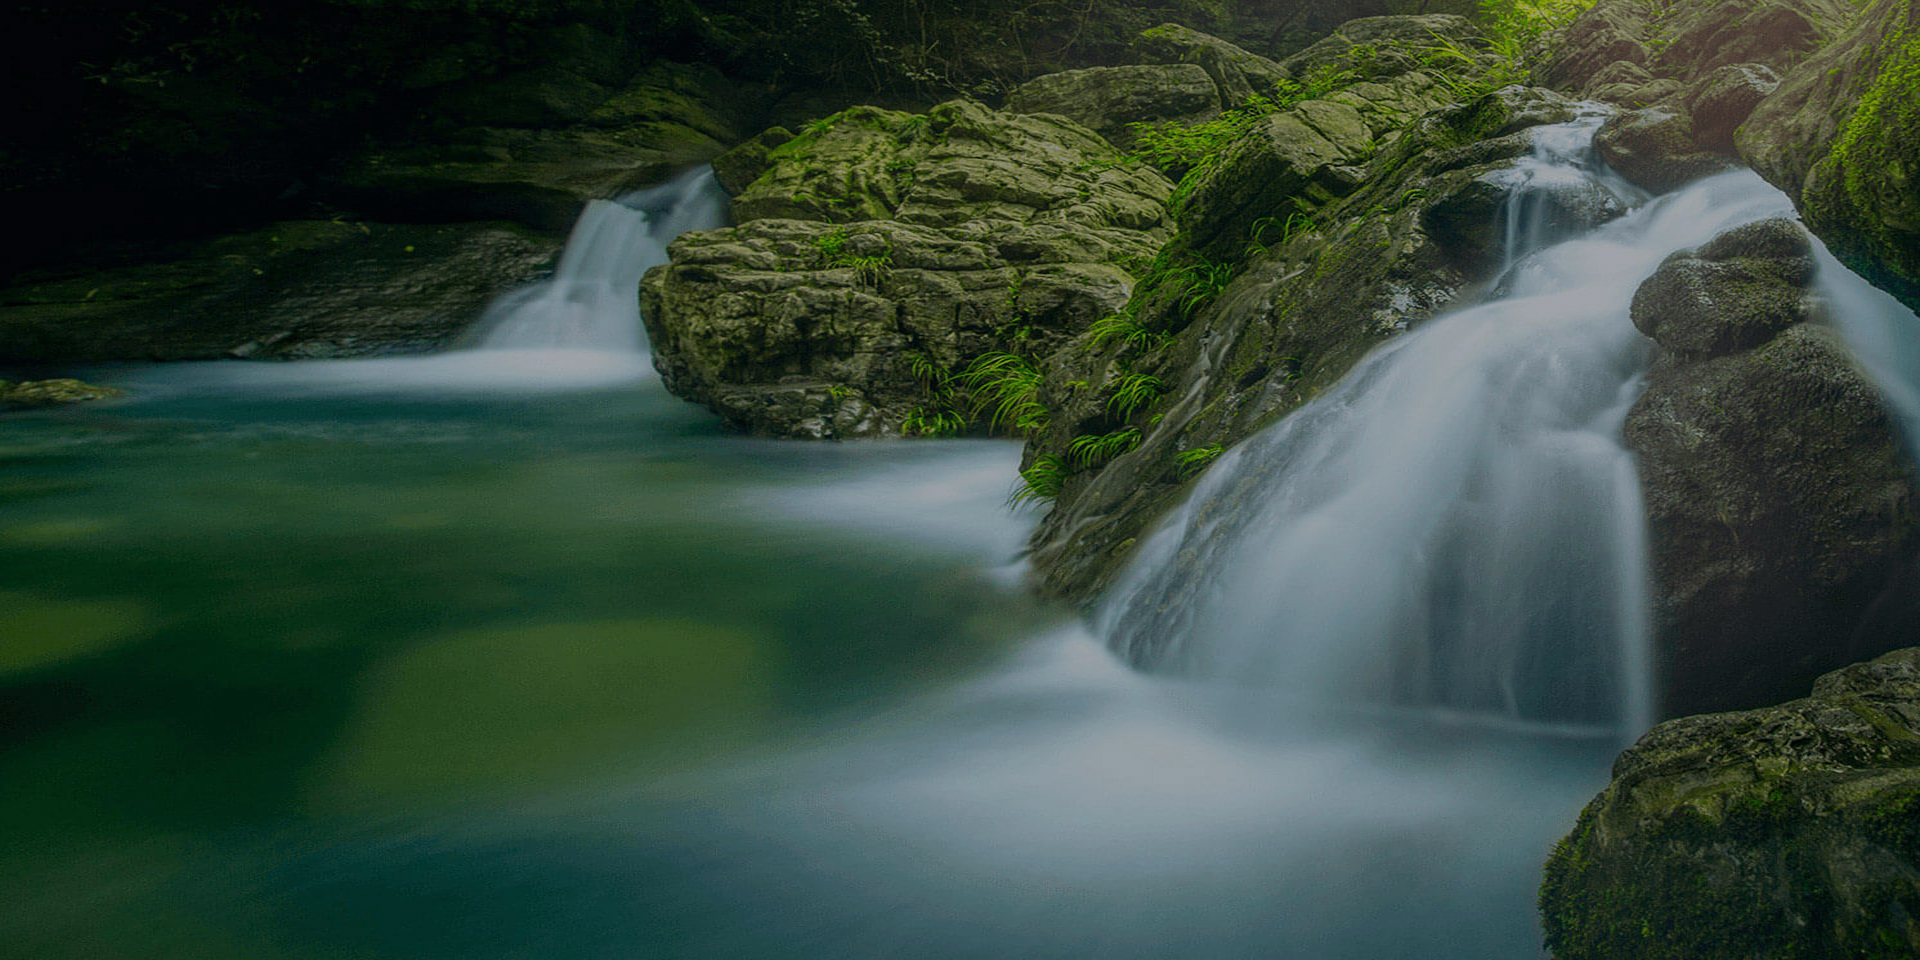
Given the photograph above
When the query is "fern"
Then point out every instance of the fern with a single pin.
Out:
(1134, 390)
(1006, 390)
(1198, 459)
(1091, 449)
(1041, 480)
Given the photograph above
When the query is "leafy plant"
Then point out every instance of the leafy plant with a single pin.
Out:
(1090, 449)
(926, 422)
(1133, 391)
(1125, 326)
(1198, 459)
(1041, 480)
(1006, 391)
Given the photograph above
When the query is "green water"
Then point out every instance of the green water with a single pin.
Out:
(302, 663)
(229, 615)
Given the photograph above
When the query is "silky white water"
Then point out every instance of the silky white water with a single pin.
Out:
(593, 300)
(1456, 524)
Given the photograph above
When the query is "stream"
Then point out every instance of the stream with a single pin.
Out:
(507, 653)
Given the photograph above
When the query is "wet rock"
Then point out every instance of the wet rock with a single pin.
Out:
(1236, 73)
(1733, 294)
(1840, 135)
(1791, 831)
(1779, 497)
(37, 394)
(1722, 100)
(1233, 340)
(294, 289)
(1654, 148)
(882, 252)
(1109, 100)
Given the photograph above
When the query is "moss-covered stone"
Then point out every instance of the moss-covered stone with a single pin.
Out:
(882, 252)
(1779, 498)
(1110, 100)
(37, 394)
(1791, 832)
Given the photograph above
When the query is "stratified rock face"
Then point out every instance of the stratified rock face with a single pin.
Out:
(1109, 100)
(295, 290)
(1791, 833)
(880, 253)
(1779, 499)
(1841, 135)
(1236, 73)
(38, 394)
(1601, 51)
(1315, 284)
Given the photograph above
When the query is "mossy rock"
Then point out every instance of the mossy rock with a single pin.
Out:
(1791, 832)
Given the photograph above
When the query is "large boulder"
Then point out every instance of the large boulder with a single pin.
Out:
(1841, 136)
(1654, 148)
(1791, 832)
(1237, 74)
(1215, 346)
(1723, 100)
(1110, 100)
(298, 289)
(1779, 497)
(880, 254)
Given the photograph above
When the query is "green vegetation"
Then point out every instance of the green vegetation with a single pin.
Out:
(1512, 27)
(1006, 391)
(1041, 480)
(1124, 326)
(1134, 391)
(1091, 450)
(1185, 151)
(1193, 461)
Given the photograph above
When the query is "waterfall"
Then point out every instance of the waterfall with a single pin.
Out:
(592, 302)
(1456, 524)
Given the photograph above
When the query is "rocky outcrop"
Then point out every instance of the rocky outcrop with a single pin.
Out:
(881, 253)
(1780, 501)
(1616, 41)
(40, 394)
(1840, 135)
(1791, 832)
(1110, 100)
(1383, 46)
(1236, 74)
(298, 289)
(1689, 133)
(1213, 348)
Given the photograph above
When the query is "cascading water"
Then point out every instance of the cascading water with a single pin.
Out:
(1455, 525)
(592, 302)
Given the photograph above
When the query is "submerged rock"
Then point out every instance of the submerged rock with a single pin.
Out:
(1110, 100)
(299, 289)
(35, 394)
(881, 253)
(1841, 135)
(1779, 498)
(1788, 832)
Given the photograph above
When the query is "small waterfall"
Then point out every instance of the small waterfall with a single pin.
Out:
(1456, 524)
(592, 301)
(1562, 189)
